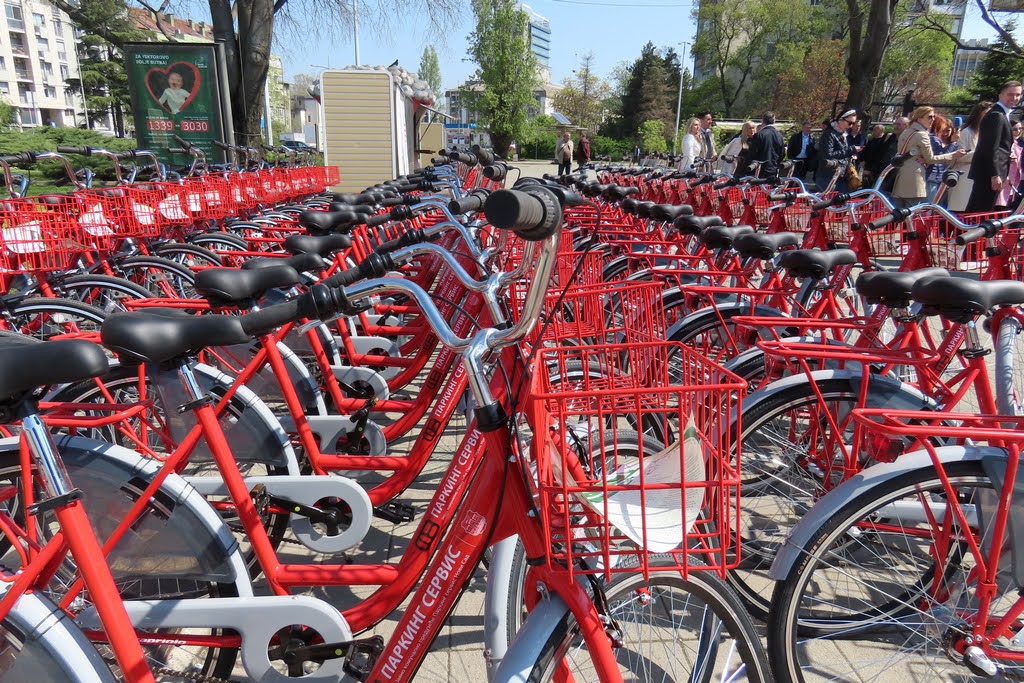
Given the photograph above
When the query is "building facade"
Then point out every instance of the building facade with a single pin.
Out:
(539, 34)
(37, 54)
(966, 61)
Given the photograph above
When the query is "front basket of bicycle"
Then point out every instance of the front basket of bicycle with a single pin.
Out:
(633, 458)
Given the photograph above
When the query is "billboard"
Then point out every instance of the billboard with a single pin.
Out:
(176, 89)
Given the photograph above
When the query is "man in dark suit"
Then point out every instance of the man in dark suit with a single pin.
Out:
(766, 146)
(801, 149)
(991, 162)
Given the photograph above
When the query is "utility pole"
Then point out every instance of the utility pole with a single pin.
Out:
(679, 100)
(355, 27)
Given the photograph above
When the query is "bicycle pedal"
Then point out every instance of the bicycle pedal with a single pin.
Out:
(362, 656)
(395, 512)
(261, 499)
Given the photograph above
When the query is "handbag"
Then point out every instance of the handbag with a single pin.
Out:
(853, 181)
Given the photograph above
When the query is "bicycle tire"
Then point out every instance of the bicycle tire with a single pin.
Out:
(134, 580)
(43, 317)
(1008, 376)
(720, 629)
(40, 642)
(102, 291)
(882, 589)
(162, 277)
(121, 383)
(782, 476)
(190, 255)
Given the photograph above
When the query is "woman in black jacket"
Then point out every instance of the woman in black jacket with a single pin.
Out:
(834, 152)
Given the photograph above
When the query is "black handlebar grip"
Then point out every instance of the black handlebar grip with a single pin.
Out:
(533, 213)
(391, 201)
(374, 221)
(896, 215)
(821, 204)
(130, 154)
(471, 202)
(20, 158)
(222, 145)
(972, 235)
(176, 150)
(345, 197)
(374, 265)
(181, 141)
(485, 157)
(75, 149)
(495, 171)
(468, 159)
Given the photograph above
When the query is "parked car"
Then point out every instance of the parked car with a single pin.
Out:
(298, 146)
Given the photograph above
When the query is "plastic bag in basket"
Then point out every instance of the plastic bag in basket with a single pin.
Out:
(95, 222)
(172, 209)
(25, 238)
(665, 510)
(144, 213)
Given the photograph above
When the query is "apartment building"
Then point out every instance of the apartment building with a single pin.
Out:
(37, 54)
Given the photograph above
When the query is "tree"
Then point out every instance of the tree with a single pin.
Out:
(807, 90)
(246, 27)
(430, 70)
(996, 68)
(870, 24)
(507, 69)
(103, 80)
(582, 97)
(740, 44)
(649, 93)
(652, 136)
(918, 60)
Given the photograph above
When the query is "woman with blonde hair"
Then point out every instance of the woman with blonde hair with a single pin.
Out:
(910, 187)
(737, 151)
(958, 195)
(691, 145)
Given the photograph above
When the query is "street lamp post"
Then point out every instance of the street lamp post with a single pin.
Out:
(679, 100)
(355, 27)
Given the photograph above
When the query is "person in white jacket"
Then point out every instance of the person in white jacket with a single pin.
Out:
(956, 197)
(691, 145)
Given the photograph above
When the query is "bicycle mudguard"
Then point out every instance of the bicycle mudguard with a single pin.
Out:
(254, 434)
(996, 468)
(885, 391)
(723, 310)
(823, 510)
(54, 648)
(526, 649)
(179, 536)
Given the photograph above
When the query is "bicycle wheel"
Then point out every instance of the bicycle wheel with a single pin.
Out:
(190, 255)
(886, 593)
(713, 333)
(42, 317)
(1009, 374)
(691, 629)
(627, 446)
(122, 385)
(791, 457)
(39, 642)
(162, 277)
(102, 291)
(138, 575)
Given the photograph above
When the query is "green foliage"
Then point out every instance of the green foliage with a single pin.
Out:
(652, 136)
(45, 138)
(540, 139)
(582, 97)
(507, 69)
(603, 146)
(996, 69)
(650, 93)
(430, 70)
(103, 77)
(747, 42)
(917, 59)
(8, 114)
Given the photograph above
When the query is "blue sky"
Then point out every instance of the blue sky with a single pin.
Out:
(612, 31)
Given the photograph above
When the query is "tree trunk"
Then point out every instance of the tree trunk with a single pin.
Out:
(867, 49)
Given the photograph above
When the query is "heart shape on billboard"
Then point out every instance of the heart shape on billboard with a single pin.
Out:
(174, 99)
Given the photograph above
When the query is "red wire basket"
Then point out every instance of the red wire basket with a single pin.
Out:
(37, 238)
(632, 458)
(208, 197)
(944, 252)
(172, 206)
(625, 312)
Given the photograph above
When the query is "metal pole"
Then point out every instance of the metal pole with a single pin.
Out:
(266, 111)
(355, 27)
(679, 101)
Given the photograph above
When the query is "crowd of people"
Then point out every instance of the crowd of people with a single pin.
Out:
(982, 151)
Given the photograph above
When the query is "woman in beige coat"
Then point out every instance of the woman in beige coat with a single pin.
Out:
(910, 187)
(958, 195)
